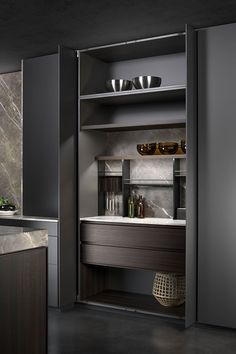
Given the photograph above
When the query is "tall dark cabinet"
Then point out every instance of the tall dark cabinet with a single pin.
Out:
(217, 176)
(49, 162)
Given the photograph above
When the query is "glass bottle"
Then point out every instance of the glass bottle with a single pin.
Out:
(140, 207)
(107, 201)
(131, 207)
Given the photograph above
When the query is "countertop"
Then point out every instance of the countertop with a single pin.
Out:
(29, 218)
(126, 220)
(13, 239)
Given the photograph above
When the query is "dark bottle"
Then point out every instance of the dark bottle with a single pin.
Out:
(131, 207)
(140, 207)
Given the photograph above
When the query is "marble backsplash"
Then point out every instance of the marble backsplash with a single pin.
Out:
(159, 197)
(10, 137)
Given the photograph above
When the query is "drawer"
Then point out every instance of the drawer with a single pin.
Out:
(148, 237)
(169, 261)
(52, 250)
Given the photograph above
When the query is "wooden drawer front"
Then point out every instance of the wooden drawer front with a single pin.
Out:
(147, 237)
(134, 258)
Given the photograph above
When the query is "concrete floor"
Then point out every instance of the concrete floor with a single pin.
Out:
(95, 331)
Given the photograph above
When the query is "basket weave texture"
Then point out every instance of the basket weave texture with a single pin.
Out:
(169, 289)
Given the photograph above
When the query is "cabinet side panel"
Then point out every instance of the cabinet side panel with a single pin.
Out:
(68, 173)
(217, 176)
(40, 136)
(191, 182)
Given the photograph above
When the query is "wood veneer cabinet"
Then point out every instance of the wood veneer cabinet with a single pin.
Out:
(141, 236)
(23, 302)
(139, 247)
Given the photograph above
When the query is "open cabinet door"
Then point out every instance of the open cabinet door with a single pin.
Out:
(68, 116)
(217, 176)
(191, 183)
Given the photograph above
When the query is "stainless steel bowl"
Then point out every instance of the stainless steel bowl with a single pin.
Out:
(144, 82)
(116, 85)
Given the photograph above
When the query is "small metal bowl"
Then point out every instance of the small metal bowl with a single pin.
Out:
(116, 85)
(146, 149)
(144, 82)
(168, 148)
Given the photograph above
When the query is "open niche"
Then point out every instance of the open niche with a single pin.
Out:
(118, 260)
(164, 105)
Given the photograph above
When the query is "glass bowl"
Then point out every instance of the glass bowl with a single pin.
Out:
(168, 148)
(147, 149)
(183, 146)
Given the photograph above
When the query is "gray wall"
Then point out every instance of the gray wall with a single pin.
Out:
(10, 137)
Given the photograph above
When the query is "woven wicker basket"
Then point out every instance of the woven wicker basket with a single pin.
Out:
(169, 289)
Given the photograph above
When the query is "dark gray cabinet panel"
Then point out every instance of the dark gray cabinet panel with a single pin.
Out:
(191, 181)
(50, 160)
(217, 176)
(52, 250)
(40, 136)
(68, 98)
(53, 285)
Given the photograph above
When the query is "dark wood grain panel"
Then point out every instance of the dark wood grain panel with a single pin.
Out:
(92, 280)
(133, 258)
(23, 302)
(138, 302)
(157, 237)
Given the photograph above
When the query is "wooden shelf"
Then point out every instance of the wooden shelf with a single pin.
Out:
(139, 157)
(135, 302)
(156, 94)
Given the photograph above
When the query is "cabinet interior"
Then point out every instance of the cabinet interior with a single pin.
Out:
(164, 105)
(122, 288)
(162, 181)
(112, 124)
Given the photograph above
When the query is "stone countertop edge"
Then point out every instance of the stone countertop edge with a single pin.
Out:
(15, 239)
(29, 218)
(134, 221)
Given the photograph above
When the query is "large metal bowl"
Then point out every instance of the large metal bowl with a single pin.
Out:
(116, 85)
(144, 82)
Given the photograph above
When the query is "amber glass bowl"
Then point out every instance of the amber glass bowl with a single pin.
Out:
(168, 148)
(183, 146)
(147, 149)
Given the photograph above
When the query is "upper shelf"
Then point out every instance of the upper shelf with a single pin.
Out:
(156, 94)
(167, 123)
(139, 157)
(141, 48)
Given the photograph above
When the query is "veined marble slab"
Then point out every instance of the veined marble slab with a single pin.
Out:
(126, 220)
(11, 138)
(13, 239)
